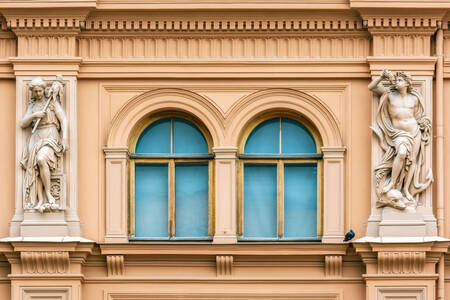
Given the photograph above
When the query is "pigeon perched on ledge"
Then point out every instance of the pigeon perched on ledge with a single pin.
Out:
(349, 235)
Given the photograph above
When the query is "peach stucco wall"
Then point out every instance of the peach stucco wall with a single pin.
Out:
(226, 64)
(97, 109)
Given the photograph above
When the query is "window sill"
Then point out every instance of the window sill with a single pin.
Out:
(281, 240)
(171, 239)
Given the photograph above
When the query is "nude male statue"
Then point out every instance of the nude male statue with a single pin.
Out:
(403, 130)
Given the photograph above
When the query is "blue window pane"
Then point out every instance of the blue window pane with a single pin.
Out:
(260, 201)
(300, 200)
(155, 138)
(151, 200)
(191, 200)
(187, 138)
(295, 138)
(265, 138)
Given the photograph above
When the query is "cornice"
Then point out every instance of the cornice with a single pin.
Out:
(400, 4)
(44, 19)
(48, 4)
(220, 5)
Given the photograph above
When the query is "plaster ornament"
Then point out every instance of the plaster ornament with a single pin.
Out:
(41, 160)
(403, 130)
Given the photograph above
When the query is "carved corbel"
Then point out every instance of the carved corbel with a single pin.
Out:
(115, 265)
(333, 266)
(45, 262)
(224, 265)
(401, 262)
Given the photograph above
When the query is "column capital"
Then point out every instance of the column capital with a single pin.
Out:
(333, 151)
(225, 152)
(116, 152)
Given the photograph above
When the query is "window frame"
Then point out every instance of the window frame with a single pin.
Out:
(171, 160)
(280, 160)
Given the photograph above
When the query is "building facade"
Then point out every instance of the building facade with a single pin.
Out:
(199, 149)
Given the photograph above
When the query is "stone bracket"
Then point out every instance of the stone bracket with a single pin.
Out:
(333, 266)
(401, 262)
(45, 262)
(115, 265)
(224, 265)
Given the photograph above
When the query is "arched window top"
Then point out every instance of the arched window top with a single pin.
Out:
(171, 136)
(280, 136)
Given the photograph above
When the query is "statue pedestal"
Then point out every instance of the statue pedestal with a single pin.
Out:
(49, 224)
(395, 223)
(390, 222)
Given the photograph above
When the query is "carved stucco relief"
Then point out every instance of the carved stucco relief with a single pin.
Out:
(46, 121)
(404, 131)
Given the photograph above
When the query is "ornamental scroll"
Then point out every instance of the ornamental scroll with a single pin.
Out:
(403, 130)
(46, 120)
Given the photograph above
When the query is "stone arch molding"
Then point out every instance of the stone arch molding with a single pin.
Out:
(225, 134)
(310, 107)
(139, 107)
(318, 113)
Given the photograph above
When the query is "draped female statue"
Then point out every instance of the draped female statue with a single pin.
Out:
(46, 144)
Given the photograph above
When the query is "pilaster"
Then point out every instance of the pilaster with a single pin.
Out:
(116, 195)
(46, 42)
(225, 195)
(402, 41)
(333, 198)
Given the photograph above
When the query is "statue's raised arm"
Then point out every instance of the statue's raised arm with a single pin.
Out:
(376, 86)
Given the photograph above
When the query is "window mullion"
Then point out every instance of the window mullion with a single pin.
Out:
(241, 198)
(171, 198)
(131, 214)
(280, 197)
(211, 208)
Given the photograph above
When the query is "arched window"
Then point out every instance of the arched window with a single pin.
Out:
(280, 192)
(171, 176)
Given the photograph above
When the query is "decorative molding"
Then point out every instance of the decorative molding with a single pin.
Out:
(415, 65)
(194, 48)
(224, 265)
(303, 295)
(42, 262)
(31, 21)
(48, 292)
(402, 43)
(209, 68)
(401, 21)
(401, 293)
(333, 266)
(57, 45)
(401, 262)
(8, 45)
(215, 23)
(48, 4)
(441, 4)
(220, 5)
(115, 265)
